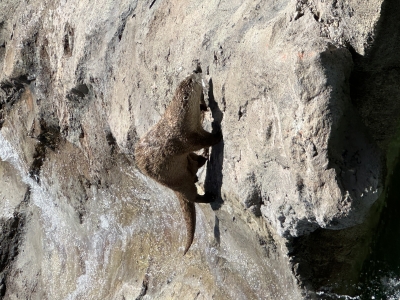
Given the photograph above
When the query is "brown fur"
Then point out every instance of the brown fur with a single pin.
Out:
(165, 153)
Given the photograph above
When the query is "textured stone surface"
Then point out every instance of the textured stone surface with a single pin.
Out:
(301, 163)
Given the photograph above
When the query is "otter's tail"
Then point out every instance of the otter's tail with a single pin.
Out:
(189, 213)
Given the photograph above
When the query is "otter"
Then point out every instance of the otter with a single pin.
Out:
(166, 152)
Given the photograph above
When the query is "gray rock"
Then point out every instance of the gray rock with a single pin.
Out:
(299, 172)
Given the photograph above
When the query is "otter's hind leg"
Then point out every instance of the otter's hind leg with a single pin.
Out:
(189, 192)
(201, 160)
(189, 188)
(195, 162)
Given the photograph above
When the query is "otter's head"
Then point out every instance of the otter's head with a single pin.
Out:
(190, 91)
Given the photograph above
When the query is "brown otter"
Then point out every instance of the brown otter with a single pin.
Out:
(165, 153)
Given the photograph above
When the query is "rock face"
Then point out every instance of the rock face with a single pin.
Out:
(295, 86)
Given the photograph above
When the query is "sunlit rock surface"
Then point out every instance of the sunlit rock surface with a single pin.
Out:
(295, 176)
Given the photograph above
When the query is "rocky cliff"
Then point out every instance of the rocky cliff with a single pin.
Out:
(306, 95)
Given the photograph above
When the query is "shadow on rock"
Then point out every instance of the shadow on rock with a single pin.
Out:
(375, 91)
(214, 175)
(332, 259)
(375, 81)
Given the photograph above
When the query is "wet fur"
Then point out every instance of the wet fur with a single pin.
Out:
(165, 153)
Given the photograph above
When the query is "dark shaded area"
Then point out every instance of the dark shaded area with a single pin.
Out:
(10, 239)
(217, 232)
(152, 3)
(131, 140)
(83, 185)
(352, 151)
(124, 18)
(375, 81)
(251, 197)
(68, 42)
(330, 261)
(10, 93)
(9, 243)
(375, 92)
(78, 92)
(145, 285)
(49, 137)
(213, 181)
(112, 142)
(383, 264)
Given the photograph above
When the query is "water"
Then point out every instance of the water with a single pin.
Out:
(380, 278)
(88, 246)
